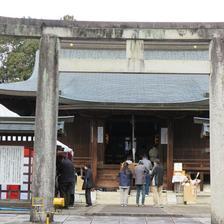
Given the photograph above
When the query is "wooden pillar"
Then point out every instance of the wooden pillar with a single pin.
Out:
(44, 164)
(170, 155)
(93, 149)
(216, 98)
(101, 145)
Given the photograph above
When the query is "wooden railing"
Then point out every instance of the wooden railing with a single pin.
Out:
(195, 164)
(192, 166)
(79, 162)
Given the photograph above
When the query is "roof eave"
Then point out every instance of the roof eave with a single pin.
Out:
(195, 106)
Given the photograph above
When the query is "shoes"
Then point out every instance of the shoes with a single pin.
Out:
(122, 205)
(143, 205)
(158, 206)
(137, 205)
(125, 205)
(88, 205)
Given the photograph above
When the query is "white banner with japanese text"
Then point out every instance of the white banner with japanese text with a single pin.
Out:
(11, 164)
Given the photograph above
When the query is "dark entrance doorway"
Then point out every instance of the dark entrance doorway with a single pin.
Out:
(119, 137)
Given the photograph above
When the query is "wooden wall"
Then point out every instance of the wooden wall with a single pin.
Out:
(188, 146)
(188, 143)
(77, 136)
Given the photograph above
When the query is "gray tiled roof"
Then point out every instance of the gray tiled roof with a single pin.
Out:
(123, 88)
(133, 88)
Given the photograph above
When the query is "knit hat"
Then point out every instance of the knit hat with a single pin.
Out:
(140, 162)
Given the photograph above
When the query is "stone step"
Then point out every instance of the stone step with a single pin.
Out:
(169, 197)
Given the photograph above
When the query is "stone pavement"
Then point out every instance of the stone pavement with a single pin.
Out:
(114, 214)
(75, 219)
(131, 210)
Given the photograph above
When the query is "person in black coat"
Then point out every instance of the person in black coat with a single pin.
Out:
(66, 177)
(88, 184)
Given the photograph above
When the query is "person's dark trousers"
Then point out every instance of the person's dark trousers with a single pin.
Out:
(147, 184)
(88, 196)
(65, 192)
(72, 200)
(140, 189)
(72, 195)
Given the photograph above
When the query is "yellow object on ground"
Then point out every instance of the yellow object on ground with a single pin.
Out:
(190, 193)
(59, 202)
(79, 183)
(37, 201)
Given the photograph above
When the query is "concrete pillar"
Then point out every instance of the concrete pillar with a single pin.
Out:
(135, 55)
(217, 129)
(44, 164)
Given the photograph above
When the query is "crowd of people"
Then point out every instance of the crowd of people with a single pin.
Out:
(145, 175)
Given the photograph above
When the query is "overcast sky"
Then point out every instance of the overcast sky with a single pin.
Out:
(118, 10)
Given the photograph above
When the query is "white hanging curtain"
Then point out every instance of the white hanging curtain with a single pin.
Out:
(65, 147)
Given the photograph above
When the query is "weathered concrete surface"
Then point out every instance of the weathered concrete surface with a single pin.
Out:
(217, 129)
(43, 183)
(135, 55)
(120, 65)
(131, 33)
(110, 30)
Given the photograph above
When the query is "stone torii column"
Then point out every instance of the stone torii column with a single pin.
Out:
(217, 129)
(44, 164)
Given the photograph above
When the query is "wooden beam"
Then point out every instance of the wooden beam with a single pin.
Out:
(170, 155)
(143, 107)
